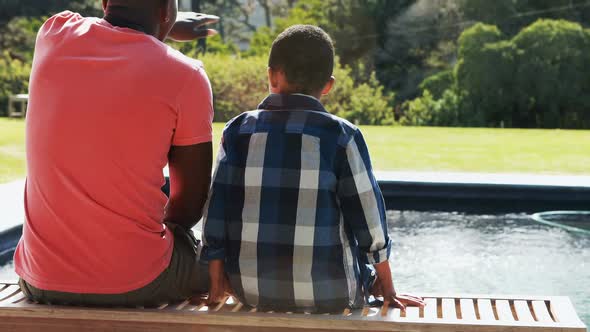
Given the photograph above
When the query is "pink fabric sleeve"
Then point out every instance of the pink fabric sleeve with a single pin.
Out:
(195, 111)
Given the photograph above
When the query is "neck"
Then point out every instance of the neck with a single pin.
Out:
(130, 18)
(282, 92)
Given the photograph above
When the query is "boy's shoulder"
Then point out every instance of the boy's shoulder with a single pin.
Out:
(315, 121)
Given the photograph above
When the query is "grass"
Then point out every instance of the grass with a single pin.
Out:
(416, 149)
(12, 149)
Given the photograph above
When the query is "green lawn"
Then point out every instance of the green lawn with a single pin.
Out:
(12, 149)
(417, 149)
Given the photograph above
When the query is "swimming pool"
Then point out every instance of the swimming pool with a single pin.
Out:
(490, 254)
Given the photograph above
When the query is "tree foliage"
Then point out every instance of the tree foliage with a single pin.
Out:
(14, 78)
(539, 78)
(242, 85)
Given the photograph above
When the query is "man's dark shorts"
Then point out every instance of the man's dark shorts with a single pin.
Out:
(185, 277)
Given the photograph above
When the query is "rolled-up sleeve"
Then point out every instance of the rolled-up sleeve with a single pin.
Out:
(215, 214)
(361, 202)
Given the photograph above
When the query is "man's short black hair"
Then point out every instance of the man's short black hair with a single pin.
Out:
(305, 53)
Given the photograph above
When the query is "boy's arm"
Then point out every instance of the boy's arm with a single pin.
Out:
(361, 202)
(363, 209)
(214, 232)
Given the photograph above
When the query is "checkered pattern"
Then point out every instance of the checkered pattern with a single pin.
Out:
(294, 209)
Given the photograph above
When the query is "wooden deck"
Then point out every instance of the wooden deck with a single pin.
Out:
(442, 313)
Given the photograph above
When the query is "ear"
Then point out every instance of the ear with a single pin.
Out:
(329, 86)
(165, 12)
(105, 3)
(273, 80)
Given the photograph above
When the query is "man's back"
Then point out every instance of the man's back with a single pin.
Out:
(106, 104)
(294, 209)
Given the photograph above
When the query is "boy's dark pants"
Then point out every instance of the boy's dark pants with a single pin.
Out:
(185, 277)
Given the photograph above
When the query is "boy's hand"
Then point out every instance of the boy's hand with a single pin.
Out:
(190, 26)
(219, 286)
(397, 300)
(383, 286)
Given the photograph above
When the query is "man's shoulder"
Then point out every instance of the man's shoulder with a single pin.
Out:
(64, 16)
(57, 23)
(182, 61)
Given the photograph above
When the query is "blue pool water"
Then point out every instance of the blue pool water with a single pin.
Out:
(495, 254)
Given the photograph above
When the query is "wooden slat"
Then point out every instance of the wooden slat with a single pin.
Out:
(372, 312)
(467, 309)
(395, 313)
(230, 305)
(14, 299)
(182, 305)
(563, 311)
(8, 292)
(430, 309)
(387, 311)
(541, 312)
(523, 312)
(448, 309)
(486, 313)
(413, 312)
(237, 307)
(221, 304)
(365, 311)
(199, 306)
(504, 311)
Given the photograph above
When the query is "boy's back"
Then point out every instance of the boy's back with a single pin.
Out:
(294, 210)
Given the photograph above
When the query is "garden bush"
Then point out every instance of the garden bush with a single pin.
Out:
(14, 79)
(240, 84)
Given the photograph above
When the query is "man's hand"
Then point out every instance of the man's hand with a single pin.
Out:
(383, 287)
(190, 26)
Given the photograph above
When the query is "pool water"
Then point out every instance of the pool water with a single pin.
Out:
(495, 254)
(7, 273)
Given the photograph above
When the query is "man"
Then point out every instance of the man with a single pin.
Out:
(110, 106)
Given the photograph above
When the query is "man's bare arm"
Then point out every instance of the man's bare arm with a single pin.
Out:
(190, 178)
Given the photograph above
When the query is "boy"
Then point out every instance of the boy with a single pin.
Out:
(295, 214)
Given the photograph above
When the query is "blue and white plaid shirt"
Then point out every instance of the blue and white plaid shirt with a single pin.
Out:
(295, 210)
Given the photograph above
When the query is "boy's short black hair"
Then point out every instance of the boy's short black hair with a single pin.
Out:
(305, 53)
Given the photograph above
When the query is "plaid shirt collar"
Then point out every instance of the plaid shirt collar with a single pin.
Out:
(278, 102)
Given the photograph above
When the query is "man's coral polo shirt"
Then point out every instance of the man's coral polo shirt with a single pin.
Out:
(106, 105)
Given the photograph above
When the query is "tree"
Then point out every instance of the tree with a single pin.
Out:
(553, 77)
(350, 23)
(414, 40)
(537, 79)
(13, 8)
(18, 37)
